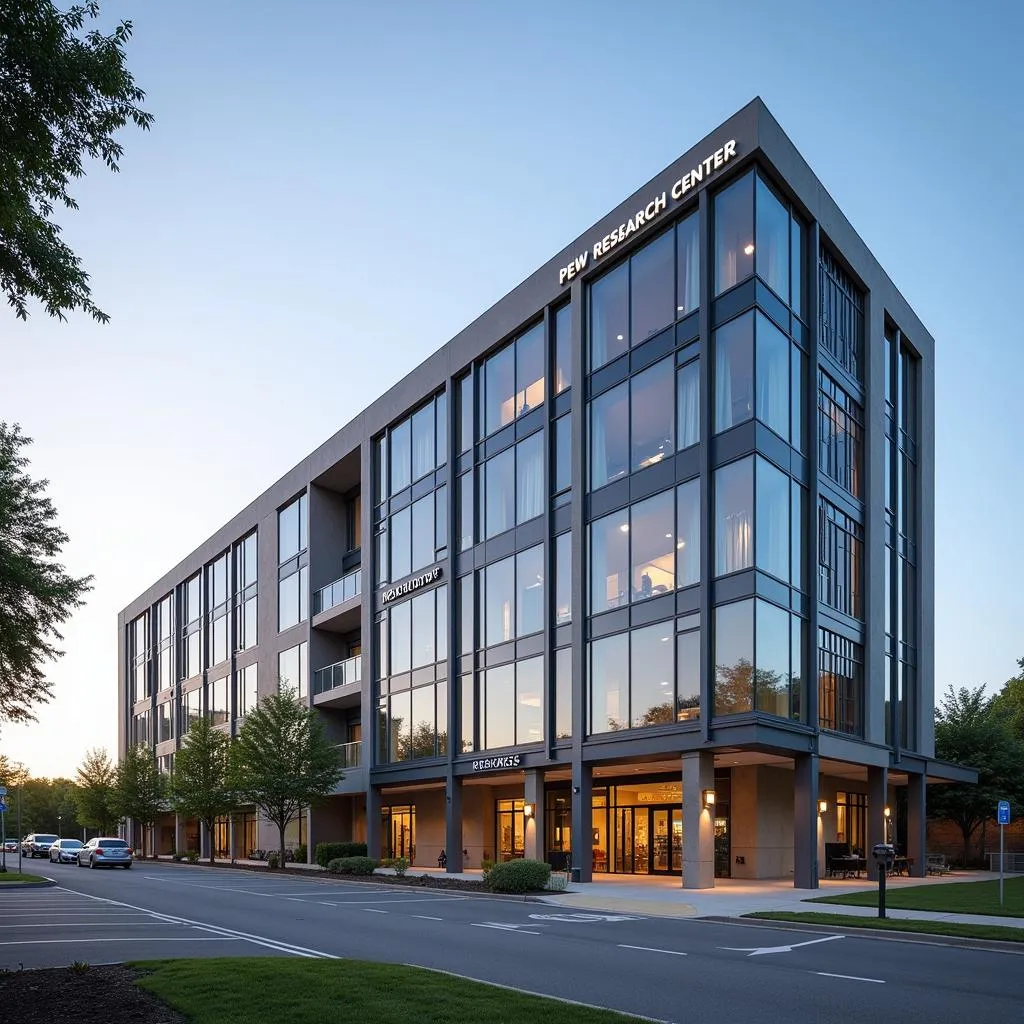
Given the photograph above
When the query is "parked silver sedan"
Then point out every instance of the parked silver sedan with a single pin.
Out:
(105, 852)
(65, 851)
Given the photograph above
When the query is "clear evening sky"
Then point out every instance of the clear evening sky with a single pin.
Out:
(333, 189)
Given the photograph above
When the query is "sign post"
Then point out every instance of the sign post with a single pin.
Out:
(3, 829)
(1003, 818)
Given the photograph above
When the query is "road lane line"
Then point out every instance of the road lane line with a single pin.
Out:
(848, 977)
(370, 910)
(424, 917)
(260, 940)
(651, 949)
(133, 938)
(93, 924)
(506, 928)
(423, 899)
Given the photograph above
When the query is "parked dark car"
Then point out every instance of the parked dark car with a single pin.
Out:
(105, 852)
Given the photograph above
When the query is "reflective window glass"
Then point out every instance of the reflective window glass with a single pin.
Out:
(609, 562)
(734, 233)
(609, 436)
(734, 372)
(500, 493)
(652, 288)
(653, 546)
(401, 637)
(609, 316)
(688, 405)
(499, 596)
(653, 416)
(424, 722)
(734, 658)
(609, 683)
(401, 456)
(563, 693)
(773, 373)
(772, 532)
(563, 349)
(563, 578)
(652, 675)
(530, 477)
(688, 533)
(499, 389)
(423, 630)
(423, 441)
(688, 676)
(530, 701)
(465, 391)
(499, 707)
(771, 678)
(734, 517)
(687, 265)
(530, 370)
(562, 474)
(401, 544)
(530, 591)
(422, 532)
(772, 241)
(466, 510)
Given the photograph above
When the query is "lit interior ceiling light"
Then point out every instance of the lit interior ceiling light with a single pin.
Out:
(748, 249)
(618, 337)
(624, 527)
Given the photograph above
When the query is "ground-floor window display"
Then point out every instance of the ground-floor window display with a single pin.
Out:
(638, 828)
(398, 834)
(510, 841)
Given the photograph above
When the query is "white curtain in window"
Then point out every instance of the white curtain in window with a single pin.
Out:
(723, 388)
(689, 405)
(734, 542)
(773, 389)
(689, 281)
(530, 479)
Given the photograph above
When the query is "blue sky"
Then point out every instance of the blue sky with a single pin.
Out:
(332, 190)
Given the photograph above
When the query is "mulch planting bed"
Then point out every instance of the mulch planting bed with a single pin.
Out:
(414, 881)
(106, 994)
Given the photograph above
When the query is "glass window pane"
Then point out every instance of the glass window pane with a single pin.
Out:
(609, 436)
(652, 529)
(423, 438)
(287, 604)
(467, 619)
(401, 544)
(563, 693)
(401, 637)
(687, 265)
(440, 519)
(400, 728)
(772, 531)
(563, 349)
(424, 724)
(796, 265)
(466, 509)
(773, 371)
(771, 678)
(563, 578)
(796, 668)
(734, 658)
(797, 404)
(499, 389)
(499, 707)
(530, 701)
(441, 415)
(382, 468)
(287, 532)
(500, 493)
(465, 387)
(688, 676)
(609, 562)
(651, 677)
(381, 642)
(498, 595)
(422, 532)
(467, 714)
(382, 557)
(652, 417)
(734, 517)
(442, 716)
(688, 405)
(423, 630)
(652, 273)
(401, 456)
(530, 591)
(303, 594)
(562, 475)
(772, 241)
(530, 477)
(530, 370)
(734, 233)
(734, 372)
(688, 533)
(442, 622)
(609, 674)
(609, 312)
(796, 533)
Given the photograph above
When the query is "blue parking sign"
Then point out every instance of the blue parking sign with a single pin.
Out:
(3, 806)
(1004, 812)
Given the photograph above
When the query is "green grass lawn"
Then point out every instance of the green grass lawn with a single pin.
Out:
(13, 876)
(293, 991)
(889, 924)
(949, 898)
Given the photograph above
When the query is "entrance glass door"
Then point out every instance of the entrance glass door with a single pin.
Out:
(399, 832)
(511, 838)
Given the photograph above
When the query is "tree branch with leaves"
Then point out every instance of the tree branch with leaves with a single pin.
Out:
(200, 785)
(94, 792)
(140, 792)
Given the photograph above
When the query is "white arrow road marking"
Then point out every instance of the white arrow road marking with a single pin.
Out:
(848, 977)
(517, 928)
(572, 918)
(762, 950)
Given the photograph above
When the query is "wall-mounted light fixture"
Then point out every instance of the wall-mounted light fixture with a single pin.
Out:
(887, 811)
(527, 810)
(822, 806)
(709, 798)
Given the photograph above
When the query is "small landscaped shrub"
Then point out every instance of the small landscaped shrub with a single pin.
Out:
(485, 867)
(301, 852)
(518, 876)
(326, 852)
(352, 866)
(274, 859)
(401, 865)
(192, 856)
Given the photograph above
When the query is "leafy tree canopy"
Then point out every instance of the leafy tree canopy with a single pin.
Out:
(65, 92)
(36, 594)
(94, 794)
(200, 785)
(140, 792)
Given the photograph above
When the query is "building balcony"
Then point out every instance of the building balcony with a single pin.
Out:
(341, 673)
(351, 754)
(336, 607)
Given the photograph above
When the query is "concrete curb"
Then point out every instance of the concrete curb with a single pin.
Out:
(45, 883)
(890, 934)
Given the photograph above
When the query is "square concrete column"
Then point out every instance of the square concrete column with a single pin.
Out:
(878, 799)
(917, 822)
(231, 838)
(373, 805)
(453, 825)
(806, 823)
(179, 834)
(533, 793)
(698, 821)
(582, 822)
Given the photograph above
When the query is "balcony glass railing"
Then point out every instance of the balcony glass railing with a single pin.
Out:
(341, 673)
(351, 754)
(349, 586)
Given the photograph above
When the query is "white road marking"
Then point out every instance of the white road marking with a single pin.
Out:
(424, 917)
(371, 910)
(505, 928)
(572, 918)
(132, 939)
(651, 949)
(96, 913)
(763, 950)
(424, 899)
(259, 940)
(82, 924)
(848, 977)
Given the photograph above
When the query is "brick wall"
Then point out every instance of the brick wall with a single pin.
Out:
(945, 837)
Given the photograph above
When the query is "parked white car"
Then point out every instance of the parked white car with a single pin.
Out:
(65, 851)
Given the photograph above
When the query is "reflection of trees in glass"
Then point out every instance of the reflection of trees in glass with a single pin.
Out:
(687, 708)
(734, 687)
(770, 690)
(659, 714)
(399, 739)
(422, 744)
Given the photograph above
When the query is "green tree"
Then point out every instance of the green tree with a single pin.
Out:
(94, 793)
(200, 784)
(970, 731)
(48, 805)
(36, 594)
(65, 93)
(140, 792)
(1009, 702)
(12, 773)
(282, 761)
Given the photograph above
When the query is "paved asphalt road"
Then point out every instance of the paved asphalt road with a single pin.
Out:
(667, 969)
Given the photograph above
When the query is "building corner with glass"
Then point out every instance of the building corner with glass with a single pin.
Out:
(635, 574)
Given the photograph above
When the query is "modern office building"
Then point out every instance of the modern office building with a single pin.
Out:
(637, 569)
